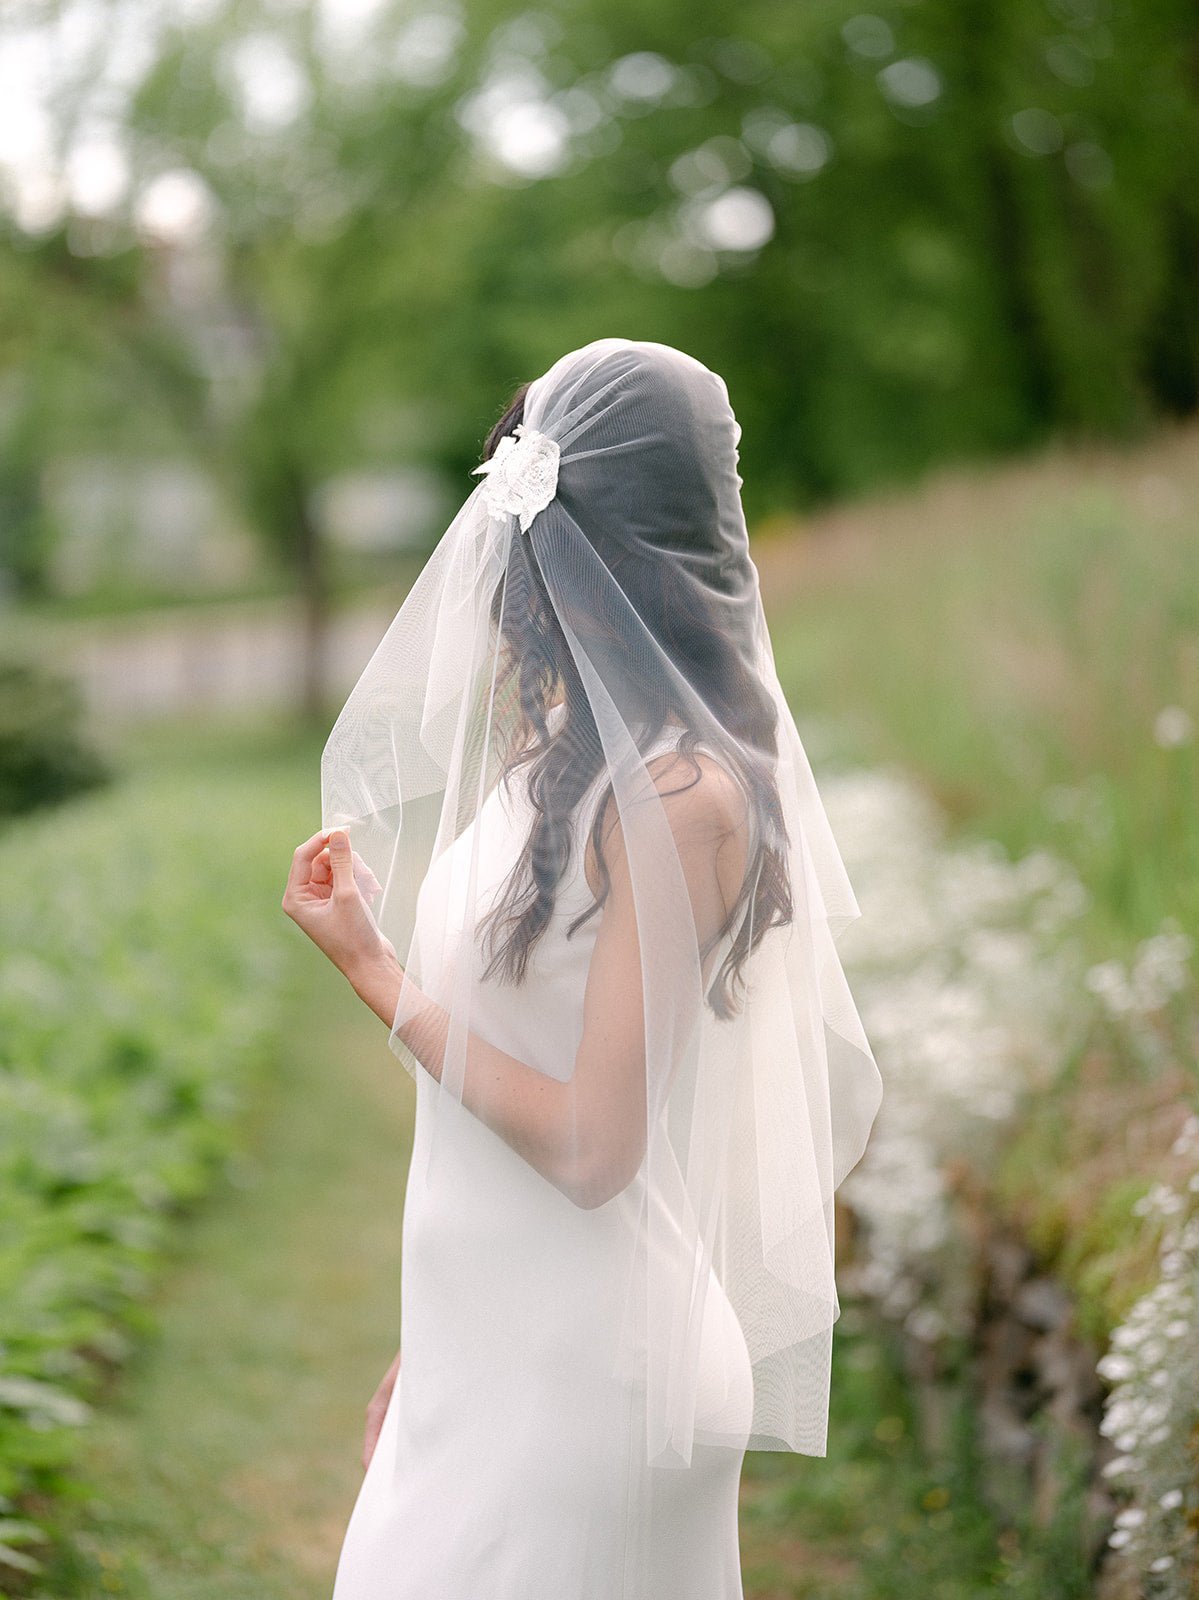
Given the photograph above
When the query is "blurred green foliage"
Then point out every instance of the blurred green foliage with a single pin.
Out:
(1028, 641)
(936, 229)
(44, 757)
(138, 999)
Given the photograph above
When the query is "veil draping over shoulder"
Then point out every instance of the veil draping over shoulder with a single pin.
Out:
(579, 696)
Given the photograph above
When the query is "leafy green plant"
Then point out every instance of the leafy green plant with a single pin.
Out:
(43, 755)
(138, 996)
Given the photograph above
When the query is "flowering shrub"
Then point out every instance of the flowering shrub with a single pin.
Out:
(972, 988)
(967, 983)
(1136, 996)
(1152, 1412)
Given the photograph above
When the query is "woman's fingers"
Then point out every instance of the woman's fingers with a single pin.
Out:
(372, 883)
(322, 873)
(302, 859)
(325, 869)
(341, 863)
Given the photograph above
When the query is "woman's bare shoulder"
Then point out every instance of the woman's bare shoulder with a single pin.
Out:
(710, 799)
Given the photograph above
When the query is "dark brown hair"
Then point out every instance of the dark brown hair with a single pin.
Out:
(536, 665)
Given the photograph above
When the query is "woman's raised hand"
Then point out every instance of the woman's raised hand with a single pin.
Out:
(328, 894)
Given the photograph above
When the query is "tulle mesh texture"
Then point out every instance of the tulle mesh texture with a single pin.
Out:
(702, 1124)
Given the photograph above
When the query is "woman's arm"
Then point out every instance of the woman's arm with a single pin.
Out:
(587, 1135)
(542, 1119)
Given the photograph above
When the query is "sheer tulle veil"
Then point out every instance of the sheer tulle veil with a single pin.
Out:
(593, 596)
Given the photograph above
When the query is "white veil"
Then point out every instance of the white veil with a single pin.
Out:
(593, 604)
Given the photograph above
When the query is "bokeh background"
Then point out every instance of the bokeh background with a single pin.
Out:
(268, 273)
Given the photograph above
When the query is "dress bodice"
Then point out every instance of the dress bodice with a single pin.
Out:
(549, 1004)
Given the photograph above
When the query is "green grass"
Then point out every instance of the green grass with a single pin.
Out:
(1012, 636)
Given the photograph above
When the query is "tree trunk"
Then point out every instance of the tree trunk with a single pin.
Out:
(314, 592)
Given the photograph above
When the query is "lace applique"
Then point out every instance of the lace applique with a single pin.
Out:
(521, 475)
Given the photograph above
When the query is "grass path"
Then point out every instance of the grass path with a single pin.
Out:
(229, 1457)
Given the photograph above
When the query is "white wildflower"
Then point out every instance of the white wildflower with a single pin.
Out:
(1109, 981)
(1128, 1336)
(1130, 1517)
(1114, 1367)
(1172, 727)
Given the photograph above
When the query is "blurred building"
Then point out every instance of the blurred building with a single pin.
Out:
(159, 526)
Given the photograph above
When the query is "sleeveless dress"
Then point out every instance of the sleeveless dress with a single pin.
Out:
(511, 1462)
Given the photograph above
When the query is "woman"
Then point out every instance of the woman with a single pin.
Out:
(574, 857)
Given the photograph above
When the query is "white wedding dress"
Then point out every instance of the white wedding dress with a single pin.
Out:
(511, 1463)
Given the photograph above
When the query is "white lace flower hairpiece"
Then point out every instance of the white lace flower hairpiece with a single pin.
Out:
(522, 475)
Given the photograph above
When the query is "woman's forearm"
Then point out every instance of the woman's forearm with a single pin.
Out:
(531, 1112)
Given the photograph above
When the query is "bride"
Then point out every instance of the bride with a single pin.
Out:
(573, 855)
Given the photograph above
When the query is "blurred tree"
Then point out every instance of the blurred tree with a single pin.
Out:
(924, 231)
(79, 369)
(928, 230)
(305, 206)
